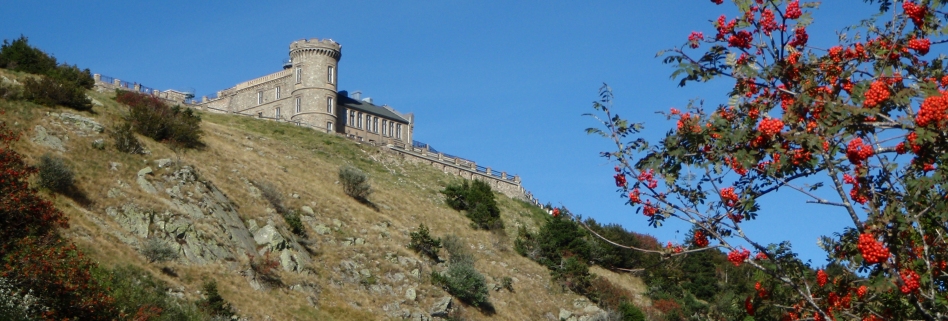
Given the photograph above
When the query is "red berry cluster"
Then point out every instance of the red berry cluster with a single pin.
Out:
(635, 196)
(861, 291)
(729, 197)
(761, 291)
(821, 277)
(742, 39)
(909, 281)
(769, 127)
(915, 12)
(700, 239)
(648, 209)
(934, 111)
(920, 45)
(724, 27)
(793, 10)
(556, 212)
(734, 164)
(749, 306)
(695, 38)
(620, 180)
(872, 251)
(855, 193)
(767, 22)
(760, 256)
(858, 152)
(717, 1)
(799, 38)
(649, 178)
(738, 256)
(877, 93)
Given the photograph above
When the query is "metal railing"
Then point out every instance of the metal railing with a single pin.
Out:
(106, 79)
(125, 84)
(146, 90)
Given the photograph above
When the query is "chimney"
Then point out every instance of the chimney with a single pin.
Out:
(367, 99)
(357, 95)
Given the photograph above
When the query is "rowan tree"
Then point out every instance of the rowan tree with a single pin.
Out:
(864, 120)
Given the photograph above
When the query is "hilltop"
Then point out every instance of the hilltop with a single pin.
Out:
(351, 261)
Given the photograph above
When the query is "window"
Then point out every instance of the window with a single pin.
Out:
(384, 126)
(277, 112)
(398, 131)
(329, 105)
(299, 75)
(329, 126)
(375, 125)
(332, 75)
(298, 107)
(391, 129)
(360, 120)
(277, 93)
(259, 97)
(352, 118)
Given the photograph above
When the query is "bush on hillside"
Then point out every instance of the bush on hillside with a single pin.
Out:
(141, 296)
(477, 200)
(355, 183)
(156, 250)
(213, 303)
(125, 140)
(49, 92)
(149, 116)
(10, 91)
(461, 279)
(423, 243)
(630, 312)
(20, 56)
(54, 174)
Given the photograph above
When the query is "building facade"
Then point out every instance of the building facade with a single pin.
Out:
(305, 92)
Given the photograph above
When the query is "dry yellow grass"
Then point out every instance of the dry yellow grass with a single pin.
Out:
(298, 161)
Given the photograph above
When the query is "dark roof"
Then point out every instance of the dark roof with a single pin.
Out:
(366, 107)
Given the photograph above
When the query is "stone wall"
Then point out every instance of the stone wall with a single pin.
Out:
(105, 83)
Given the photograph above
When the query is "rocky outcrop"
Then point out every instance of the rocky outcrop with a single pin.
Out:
(42, 137)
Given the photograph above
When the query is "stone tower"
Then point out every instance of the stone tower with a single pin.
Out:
(315, 65)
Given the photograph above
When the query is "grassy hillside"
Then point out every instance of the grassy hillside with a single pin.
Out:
(353, 261)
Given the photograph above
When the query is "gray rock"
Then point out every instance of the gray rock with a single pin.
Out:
(164, 162)
(43, 138)
(98, 144)
(269, 236)
(416, 273)
(84, 123)
(420, 316)
(308, 210)
(321, 229)
(410, 294)
(114, 166)
(287, 261)
(565, 314)
(359, 241)
(337, 223)
(441, 307)
(144, 183)
(252, 226)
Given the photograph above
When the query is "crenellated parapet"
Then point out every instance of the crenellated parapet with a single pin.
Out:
(315, 46)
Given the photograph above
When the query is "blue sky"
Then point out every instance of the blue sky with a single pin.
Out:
(500, 82)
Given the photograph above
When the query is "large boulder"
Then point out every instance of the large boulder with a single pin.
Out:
(441, 307)
(270, 237)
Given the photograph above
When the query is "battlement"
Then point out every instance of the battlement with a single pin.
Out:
(326, 47)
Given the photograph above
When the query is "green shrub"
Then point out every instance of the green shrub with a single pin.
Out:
(138, 295)
(507, 283)
(125, 140)
(458, 250)
(464, 283)
(50, 92)
(573, 274)
(213, 303)
(630, 312)
(20, 56)
(157, 251)
(10, 92)
(149, 116)
(54, 174)
(355, 183)
(477, 200)
(293, 220)
(423, 243)
(70, 74)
